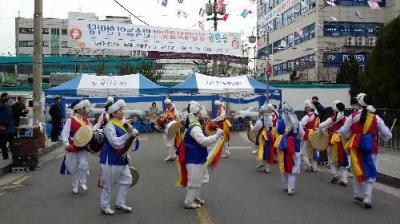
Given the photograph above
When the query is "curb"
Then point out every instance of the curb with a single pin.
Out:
(43, 151)
(388, 180)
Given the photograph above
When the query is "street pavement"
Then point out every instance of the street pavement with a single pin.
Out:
(237, 193)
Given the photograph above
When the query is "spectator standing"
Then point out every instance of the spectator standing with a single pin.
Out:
(56, 119)
(153, 110)
(19, 110)
(7, 127)
(319, 107)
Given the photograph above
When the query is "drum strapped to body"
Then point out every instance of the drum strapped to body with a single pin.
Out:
(97, 142)
(251, 135)
(172, 128)
(210, 128)
(83, 136)
(161, 122)
(135, 175)
(320, 140)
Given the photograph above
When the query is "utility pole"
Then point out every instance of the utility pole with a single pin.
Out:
(211, 9)
(37, 61)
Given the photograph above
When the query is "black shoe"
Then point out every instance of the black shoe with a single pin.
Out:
(343, 184)
(357, 199)
(335, 180)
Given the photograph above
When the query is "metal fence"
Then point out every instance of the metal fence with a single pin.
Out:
(388, 115)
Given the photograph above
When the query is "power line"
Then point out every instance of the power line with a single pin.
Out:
(131, 13)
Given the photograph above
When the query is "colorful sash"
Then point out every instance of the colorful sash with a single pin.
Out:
(361, 146)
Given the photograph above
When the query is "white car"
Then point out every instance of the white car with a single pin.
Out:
(248, 112)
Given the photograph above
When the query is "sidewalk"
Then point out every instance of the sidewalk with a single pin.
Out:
(5, 165)
(389, 167)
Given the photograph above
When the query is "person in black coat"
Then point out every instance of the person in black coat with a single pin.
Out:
(19, 110)
(56, 119)
(319, 107)
(7, 127)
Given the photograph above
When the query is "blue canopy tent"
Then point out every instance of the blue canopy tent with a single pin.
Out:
(221, 87)
(103, 86)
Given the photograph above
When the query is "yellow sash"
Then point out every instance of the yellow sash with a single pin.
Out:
(118, 123)
(335, 140)
(227, 126)
(79, 119)
(262, 139)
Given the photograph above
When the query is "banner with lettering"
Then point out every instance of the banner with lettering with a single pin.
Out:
(96, 34)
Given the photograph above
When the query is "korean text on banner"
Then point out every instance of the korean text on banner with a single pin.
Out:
(95, 34)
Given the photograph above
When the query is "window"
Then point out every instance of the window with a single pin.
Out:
(64, 31)
(297, 10)
(64, 44)
(278, 22)
(311, 3)
(304, 7)
(45, 44)
(287, 17)
(312, 30)
(26, 43)
(55, 31)
(45, 31)
(291, 40)
(26, 30)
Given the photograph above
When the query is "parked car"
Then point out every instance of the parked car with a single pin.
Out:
(250, 112)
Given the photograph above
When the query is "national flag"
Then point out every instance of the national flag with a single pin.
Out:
(225, 17)
(330, 2)
(244, 13)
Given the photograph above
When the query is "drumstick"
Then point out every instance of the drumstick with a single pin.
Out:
(394, 122)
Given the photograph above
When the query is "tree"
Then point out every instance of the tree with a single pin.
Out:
(349, 73)
(150, 68)
(381, 78)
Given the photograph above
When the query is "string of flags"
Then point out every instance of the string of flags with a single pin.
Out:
(358, 14)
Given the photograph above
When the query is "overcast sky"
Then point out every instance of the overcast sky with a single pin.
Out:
(150, 11)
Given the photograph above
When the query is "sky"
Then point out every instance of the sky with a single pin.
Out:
(151, 11)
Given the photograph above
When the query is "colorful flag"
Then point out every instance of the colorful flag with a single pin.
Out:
(373, 4)
(214, 156)
(244, 13)
(219, 6)
(202, 12)
(330, 2)
(357, 14)
(225, 17)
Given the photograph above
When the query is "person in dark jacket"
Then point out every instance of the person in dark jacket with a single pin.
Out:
(7, 127)
(56, 118)
(319, 107)
(19, 110)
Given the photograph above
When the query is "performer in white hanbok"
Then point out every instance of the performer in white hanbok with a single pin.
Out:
(362, 127)
(194, 156)
(288, 145)
(223, 123)
(76, 158)
(309, 123)
(337, 157)
(114, 160)
(172, 115)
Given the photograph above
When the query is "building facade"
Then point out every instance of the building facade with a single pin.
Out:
(308, 40)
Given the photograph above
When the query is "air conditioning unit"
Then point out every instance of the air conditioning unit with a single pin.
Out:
(350, 41)
(360, 41)
(371, 41)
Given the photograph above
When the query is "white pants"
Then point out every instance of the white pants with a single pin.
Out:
(364, 189)
(227, 151)
(111, 175)
(197, 175)
(77, 164)
(304, 152)
(289, 181)
(170, 145)
(337, 171)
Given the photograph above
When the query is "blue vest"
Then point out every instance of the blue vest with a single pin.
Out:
(281, 126)
(109, 155)
(195, 153)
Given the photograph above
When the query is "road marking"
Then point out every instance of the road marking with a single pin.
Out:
(387, 189)
(20, 180)
(203, 215)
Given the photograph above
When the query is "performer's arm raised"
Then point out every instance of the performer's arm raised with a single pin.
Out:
(383, 130)
(197, 134)
(111, 135)
(221, 117)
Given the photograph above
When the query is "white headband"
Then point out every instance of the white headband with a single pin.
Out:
(120, 104)
(82, 104)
